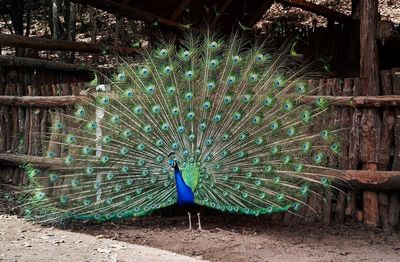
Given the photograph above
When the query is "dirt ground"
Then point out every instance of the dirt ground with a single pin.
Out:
(230, 239)
(23, 241)
(224, 238)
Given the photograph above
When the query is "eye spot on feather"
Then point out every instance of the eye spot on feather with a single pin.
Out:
(227, 99)
(306, 147)
(301, 88)
(231, 80)
(121, 77)
(144, 72)
(163, 52)
(213, 45)
(237, 116)
(138, 109)
(217, 118)
(150, 89)
(167, 70)
(171, 90)
(213, 63)
(156, 109)
(50, 154)
(188, 96)
(189, 75)
(190, 115)
(210, 85)
(236, 59)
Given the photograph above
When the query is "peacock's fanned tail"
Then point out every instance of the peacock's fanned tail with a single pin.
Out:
(229, 109)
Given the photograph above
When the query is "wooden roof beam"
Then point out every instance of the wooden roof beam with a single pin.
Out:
(224, 6)
(178, 11)
(60, 45)
(132, 12)
(41, 64)
(264, 7)
(318, 9)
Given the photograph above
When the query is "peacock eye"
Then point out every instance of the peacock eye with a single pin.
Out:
(186, 55)
(210, 85)
(167, 70)
(121, 77)
(144, 72)
(213, 63)
(189, 74)
(235, 59)
(213, 45)
(163, 52)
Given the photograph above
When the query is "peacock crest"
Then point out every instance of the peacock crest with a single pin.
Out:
(229, 110)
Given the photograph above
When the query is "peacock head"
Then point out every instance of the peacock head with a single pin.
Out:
(172, 162)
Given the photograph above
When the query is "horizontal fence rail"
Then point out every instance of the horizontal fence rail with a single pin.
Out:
(54, 101)
(357, 179)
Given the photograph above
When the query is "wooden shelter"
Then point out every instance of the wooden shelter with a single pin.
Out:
(369, 99)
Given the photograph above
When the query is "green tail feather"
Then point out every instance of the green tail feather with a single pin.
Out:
(231, 114)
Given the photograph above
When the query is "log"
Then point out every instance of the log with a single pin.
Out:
(61, 45)
(358, 101)
(371, 180)
(361, 101)
(358, 179)
(41, 63)
(42, 101)
(319, 10)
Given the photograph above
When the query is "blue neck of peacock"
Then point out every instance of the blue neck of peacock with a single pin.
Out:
(185, 194)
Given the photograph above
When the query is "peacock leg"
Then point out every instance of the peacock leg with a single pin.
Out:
(190, 221)
(198, 219)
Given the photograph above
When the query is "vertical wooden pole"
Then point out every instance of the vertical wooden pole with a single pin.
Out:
(370, 123)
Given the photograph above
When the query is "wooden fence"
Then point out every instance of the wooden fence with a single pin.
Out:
(27, 98)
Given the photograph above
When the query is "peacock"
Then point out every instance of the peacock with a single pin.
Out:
(203, 121)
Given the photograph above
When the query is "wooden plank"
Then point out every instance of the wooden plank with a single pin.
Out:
(61, 45)
(318, 9)
(41, 63)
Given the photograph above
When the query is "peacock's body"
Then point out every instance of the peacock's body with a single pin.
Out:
(212, 122)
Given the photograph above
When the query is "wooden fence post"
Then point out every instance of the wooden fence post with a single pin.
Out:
(370, 124)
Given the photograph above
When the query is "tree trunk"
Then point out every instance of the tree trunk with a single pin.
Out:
(54, 12)
(71, 29)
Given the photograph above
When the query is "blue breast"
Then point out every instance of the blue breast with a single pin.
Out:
(185, 194)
